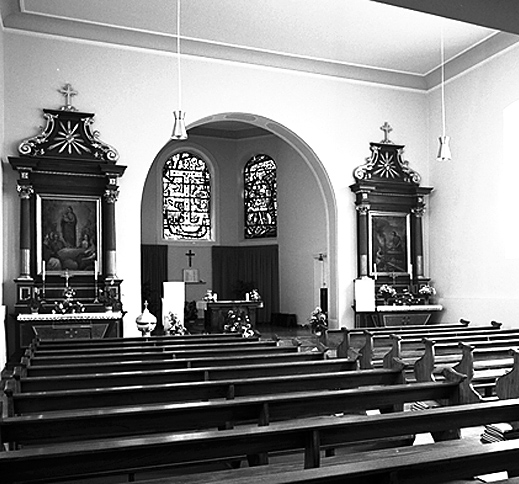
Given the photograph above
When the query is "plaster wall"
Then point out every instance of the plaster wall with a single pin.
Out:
(473, 210)
(133, 93)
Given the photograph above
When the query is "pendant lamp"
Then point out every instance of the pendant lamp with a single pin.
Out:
(179, 126)
(444, 152)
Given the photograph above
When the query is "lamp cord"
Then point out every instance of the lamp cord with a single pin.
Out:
(178, 58)
(442, 48)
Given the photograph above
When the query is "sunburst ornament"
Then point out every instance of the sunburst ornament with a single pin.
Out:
(386, 168)
(68, 138)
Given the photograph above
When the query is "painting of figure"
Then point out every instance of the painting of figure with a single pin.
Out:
(389, 242)
(69, 232)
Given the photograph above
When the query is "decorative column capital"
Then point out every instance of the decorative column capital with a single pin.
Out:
(418, 211)
(25, 191)
(363, 208)
(111, 195)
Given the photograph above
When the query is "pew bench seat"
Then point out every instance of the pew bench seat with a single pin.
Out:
(59, 400)
(135, 454)
(102, 422)
(449, 462)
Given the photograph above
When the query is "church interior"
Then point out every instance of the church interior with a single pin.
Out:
(320, 170)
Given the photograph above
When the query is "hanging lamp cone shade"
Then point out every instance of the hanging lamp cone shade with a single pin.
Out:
(179, 128)
(444, 153)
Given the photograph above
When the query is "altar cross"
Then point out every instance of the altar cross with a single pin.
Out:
(69, 93)
(190, 254)
(387, 129)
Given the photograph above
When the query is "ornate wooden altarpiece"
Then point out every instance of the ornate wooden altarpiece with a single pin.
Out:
(68, 188)
(390, 204)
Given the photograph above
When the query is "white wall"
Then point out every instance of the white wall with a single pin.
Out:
(133, 93)
(473, 212)
(3, 341)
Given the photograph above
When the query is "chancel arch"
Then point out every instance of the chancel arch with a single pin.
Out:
(306, 210)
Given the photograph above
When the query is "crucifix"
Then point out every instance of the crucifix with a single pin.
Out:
(69, 93)
(387, 129)
(190, 254)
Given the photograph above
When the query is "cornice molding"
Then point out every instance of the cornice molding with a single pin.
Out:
(16, 20)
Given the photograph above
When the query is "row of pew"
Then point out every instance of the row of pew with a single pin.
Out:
(166, 408)
(483, 353)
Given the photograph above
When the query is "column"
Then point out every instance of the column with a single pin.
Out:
(109, 199)
(417, 236)
(25, 191)
(362, 239)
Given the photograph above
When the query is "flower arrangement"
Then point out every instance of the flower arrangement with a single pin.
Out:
(238, 322)
(210, 296)
(35, 302)
(386, 291)
(68, 305)
(318, 321)
(427, 290)
(173, 325)
(254, 295)
(109, 299)
(405, 299)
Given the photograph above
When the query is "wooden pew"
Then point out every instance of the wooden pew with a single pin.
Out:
(452, 462)
(166, 363)
(80, 358)
(152, 340)
(53, 427)
(176, 346)
(125, 455)
(146, 377)
(61, 400)
(483, 363)
(369, 344)
(335, 336)
(411, 347)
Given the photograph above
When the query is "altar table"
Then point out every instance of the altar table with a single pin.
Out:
(216, 312)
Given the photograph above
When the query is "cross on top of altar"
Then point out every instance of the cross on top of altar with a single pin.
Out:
(387, 129)
(69, 93)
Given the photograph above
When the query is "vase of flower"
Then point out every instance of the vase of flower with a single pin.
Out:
(427, 292)
(386, 292)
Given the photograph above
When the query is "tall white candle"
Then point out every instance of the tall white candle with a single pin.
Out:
(375, 271)
(96, 269)
(43, 271)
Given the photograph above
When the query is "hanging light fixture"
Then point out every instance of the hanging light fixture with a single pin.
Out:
(444, 153)
(179, 126)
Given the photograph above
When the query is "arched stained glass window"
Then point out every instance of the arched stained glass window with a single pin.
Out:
(260, 197)
(186, 185)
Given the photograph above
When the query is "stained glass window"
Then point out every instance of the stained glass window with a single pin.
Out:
(186, 184)
(260, 197)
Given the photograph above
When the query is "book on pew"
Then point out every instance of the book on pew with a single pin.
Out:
(498, 432)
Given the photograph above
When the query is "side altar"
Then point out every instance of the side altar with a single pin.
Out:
(392, 287)
(68, 186)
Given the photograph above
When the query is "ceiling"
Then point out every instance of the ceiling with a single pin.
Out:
(356, 39)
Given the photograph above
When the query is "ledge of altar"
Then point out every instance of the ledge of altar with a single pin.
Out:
(403, 308)
(108, 315)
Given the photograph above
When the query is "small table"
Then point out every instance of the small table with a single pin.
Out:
(397, 315)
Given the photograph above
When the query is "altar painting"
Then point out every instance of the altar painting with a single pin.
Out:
(68, 233)
(390, 243)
